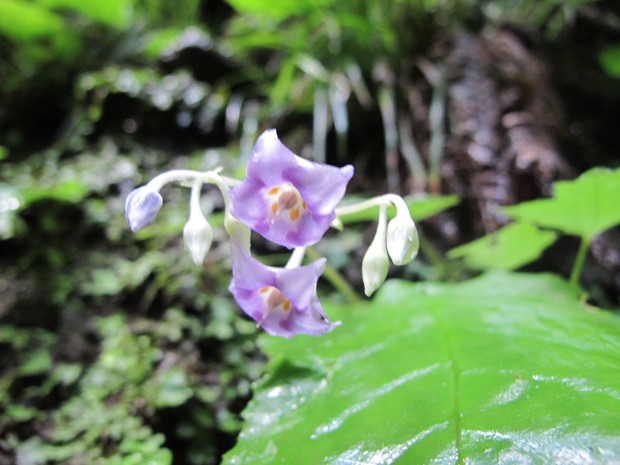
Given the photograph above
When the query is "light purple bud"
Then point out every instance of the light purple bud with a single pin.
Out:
(142, 206)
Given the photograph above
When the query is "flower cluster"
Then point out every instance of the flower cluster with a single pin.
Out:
(291, 202)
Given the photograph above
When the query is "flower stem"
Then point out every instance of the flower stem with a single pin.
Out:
(296, 257)
(194, 200)
(582, 252)
(335, 278)
(379, 201)
(190, 175)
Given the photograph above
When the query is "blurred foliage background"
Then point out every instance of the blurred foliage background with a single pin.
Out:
(114, 349)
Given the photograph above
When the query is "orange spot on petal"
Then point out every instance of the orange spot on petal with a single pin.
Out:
(274, 207)
(294, 214)
(303, 204)
(264, 289)
(286, 305)
(273, 190)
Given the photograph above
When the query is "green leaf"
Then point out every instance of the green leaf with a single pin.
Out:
(156, 42)
(506, 368)
(509, 248)
(22, 20)
(115, 13)
(584, 207)
(71, 190)
(169, 388)
(419, 207)
(277, 9)
(610, 60)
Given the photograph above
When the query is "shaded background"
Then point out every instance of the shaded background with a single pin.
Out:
(114, 349)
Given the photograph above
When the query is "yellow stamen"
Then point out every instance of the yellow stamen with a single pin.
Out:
(274, 207)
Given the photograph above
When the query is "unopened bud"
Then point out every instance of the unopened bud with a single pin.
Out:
(375, 264)
(402, 237)
(197, 236)
(142, 206)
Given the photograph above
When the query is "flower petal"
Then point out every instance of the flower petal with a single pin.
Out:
(313, 321)
(321, 186)
(283, 301)
(270, 158)
(308, 230)
(287, 199)
(249, 273)
(299, 284)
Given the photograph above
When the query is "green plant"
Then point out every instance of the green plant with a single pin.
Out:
(584, 207)
(501, 368)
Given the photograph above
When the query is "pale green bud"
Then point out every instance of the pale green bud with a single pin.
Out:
(375, 264)
(402, 239)
(197, 236)
(197, 233)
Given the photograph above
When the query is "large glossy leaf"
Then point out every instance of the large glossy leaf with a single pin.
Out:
(507, 368)
(584, 207)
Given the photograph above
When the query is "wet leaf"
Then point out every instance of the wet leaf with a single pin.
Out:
(506, 368)
(509, 248)
(584, 207)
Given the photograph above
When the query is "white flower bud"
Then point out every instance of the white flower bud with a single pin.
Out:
(197, 236)
(337, 224)
(142, 206)
(375, 264)
(402, 239)
(197, 233)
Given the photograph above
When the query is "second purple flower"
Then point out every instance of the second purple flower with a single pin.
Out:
(285, 198)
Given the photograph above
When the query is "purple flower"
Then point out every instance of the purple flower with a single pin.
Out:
(287, 199)
(283, 301)
(142, 206)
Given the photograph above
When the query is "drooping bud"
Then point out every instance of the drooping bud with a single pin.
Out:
(197, 236)
(197, 232)
(376, 263)
(402, 237)
(142, 206)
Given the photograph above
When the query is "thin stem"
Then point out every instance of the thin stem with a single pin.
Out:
(239, 233)
(580, 260)
(335, 278)
(190, 175)
(387, 105)
(436, 117)
(319, 124)
(383, 200)
(410, 152)
(194, 200)
(296, 257)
